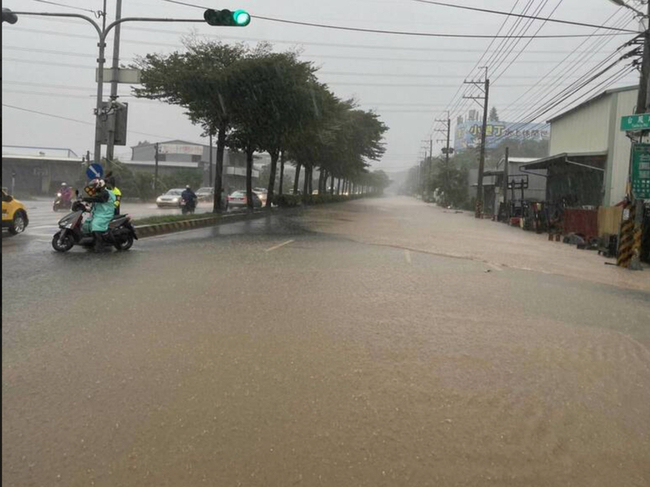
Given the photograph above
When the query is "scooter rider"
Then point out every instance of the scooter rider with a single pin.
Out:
(66, 193)
(189, 196)
(102, 212)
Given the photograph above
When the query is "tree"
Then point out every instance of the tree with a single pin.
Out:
(197, 80)
(494, 116)
(450, 182)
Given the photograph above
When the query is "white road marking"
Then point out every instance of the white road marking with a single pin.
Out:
(279, 245)
(495, 267)
(407, 255)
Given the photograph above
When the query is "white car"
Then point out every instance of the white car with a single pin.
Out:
(171, 199)
(205, 194)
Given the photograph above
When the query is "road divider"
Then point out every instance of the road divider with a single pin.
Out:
(144, 230)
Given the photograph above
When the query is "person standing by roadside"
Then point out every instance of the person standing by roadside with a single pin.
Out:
(112, 187)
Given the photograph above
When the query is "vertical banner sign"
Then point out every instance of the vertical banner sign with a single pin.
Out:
(641, 171)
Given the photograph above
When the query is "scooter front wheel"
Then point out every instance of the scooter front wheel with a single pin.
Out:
(62, 244)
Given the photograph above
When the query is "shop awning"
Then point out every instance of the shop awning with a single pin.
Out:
(589, 160)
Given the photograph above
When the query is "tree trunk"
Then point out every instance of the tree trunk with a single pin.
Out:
(338, 187)
(297, 180)
(310, 181)
(281, 186)
(306, 192)
(249, 179)
(218, 177)
(321, 176)
(274, 167)
(332, 187)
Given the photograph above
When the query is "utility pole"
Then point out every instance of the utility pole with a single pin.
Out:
(110, 146)
(481, 165)
(506, 169)
(643, 102)
(447, 150)
(155, 170)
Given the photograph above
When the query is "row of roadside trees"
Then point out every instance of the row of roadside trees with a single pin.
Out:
(257, 100)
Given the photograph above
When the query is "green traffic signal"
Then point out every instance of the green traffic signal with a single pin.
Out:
(227, 18)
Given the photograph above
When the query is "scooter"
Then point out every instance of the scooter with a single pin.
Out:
(187, 206)
(120, 233)
(60, 203)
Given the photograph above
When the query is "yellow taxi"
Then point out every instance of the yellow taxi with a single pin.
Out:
(14, 214)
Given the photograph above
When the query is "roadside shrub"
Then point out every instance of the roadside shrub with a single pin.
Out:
(287, 200)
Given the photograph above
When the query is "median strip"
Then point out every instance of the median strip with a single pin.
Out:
(150, 227)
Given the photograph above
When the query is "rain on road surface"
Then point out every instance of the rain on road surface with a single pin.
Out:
(372, 343)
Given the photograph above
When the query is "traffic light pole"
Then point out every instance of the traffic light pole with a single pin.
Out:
(102, 33)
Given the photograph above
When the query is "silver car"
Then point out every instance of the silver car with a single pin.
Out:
(237, 200)
(171, 199)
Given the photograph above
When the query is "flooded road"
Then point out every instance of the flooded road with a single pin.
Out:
(375, 343)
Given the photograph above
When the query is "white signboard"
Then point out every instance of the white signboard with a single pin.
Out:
(193, 150)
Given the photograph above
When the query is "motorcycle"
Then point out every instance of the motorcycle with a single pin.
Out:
(120, 233)
(187, 206)
(60, 203)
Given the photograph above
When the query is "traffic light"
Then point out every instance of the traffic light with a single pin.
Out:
(238, 18)
(9, 16)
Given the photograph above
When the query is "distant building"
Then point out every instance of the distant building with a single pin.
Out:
(174, 155)
(40, 170)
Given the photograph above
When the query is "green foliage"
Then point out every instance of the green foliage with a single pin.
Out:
(267, 101)
(287, 200)
(450, 183)
(133, 184)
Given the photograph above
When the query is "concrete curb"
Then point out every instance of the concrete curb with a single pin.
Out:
(144, 231)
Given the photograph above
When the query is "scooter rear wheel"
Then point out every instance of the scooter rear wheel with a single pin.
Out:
(125, 244)
(64, 245)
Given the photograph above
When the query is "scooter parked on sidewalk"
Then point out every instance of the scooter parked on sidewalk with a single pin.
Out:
(120, 233)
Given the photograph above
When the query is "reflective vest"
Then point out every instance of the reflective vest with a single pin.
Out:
(118, 196)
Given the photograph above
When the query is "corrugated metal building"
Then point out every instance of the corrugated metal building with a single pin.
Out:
(590, 155)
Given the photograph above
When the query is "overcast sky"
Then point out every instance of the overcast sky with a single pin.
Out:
(48, 64)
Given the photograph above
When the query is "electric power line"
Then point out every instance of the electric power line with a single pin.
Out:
(532, 17)
(379, 31)
(67, 6)
(37, 112)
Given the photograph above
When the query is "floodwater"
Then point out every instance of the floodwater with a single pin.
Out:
(338, 347)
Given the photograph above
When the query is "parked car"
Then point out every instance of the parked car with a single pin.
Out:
(14, 214)
(171, 198)
(237, 200)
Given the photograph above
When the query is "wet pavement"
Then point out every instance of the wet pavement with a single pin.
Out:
(373, 343)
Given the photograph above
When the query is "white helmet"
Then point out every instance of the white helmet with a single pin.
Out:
(63, 184)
